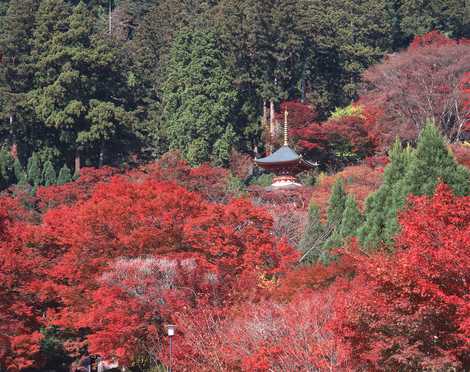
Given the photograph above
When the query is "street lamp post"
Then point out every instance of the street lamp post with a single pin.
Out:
(171, 332)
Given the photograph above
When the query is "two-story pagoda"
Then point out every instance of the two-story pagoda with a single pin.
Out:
(285, 163)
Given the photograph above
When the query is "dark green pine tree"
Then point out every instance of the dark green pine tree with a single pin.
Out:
(65, 175)
(49, 176)
(336, 204)
(16, 70)
(199, 99)
(382, 206)
(20, 174)
(351, 220)
(433, 163)
(7, 174)
(33, 170)
(314, 236)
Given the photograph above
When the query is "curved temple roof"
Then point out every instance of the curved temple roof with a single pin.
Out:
(283, 155)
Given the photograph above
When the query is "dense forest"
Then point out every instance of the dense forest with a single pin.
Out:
(129, 199)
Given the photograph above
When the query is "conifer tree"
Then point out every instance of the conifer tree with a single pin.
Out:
(82, 88)
(65, 175)
(313, 237)
(382, 206)
(34, 170)
(336, 207)
(351, 219)
(6, 169)
(433, 163)
(16, 67)
(48, 174)
(20, 174)
(336, 204)
(199, 98)
(410, 171)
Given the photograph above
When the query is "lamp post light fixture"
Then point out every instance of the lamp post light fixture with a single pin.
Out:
(171, 332)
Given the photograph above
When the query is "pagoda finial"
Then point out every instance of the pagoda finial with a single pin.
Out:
(286, 142)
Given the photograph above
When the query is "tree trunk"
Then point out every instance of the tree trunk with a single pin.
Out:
(271, 126)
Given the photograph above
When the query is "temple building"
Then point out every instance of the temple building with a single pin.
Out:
(285, 163)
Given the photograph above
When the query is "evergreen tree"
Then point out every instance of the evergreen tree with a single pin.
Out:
(34, 170)
(314, 235)
(65, 175)
(7, 175)
(16, 71)
(336, 204)
(82, 89)
(336, 208)
(20, 174)
(351, 219)
(381, 223)
(416, 172)
(48, 174)
(450, 17)
(199, 98)
(433, 163)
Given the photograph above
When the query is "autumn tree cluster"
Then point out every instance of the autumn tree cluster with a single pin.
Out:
(129, 201)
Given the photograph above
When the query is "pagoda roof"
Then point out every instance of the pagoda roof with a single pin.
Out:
(283, 155)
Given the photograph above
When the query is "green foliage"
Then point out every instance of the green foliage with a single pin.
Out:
(49, 176)
(198, 99)
(33, 170)
(263, 180)
(410, 171)
(381, 223)
(20, 174)
(432, 163)
(65, 175)
(311, 244)
(337, 203)
(7, 173)
(351, 110)
(336, 211)
(451, 17)
(81, 89)
(235, 186)
(351, 219)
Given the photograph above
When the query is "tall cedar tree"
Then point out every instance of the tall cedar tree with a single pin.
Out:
(382, 206)
(33, 170)
(16, 69)
(20, 174)
(7, 173)
(81, 90)
(313, 237)
(433, 163)
(199, 99)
